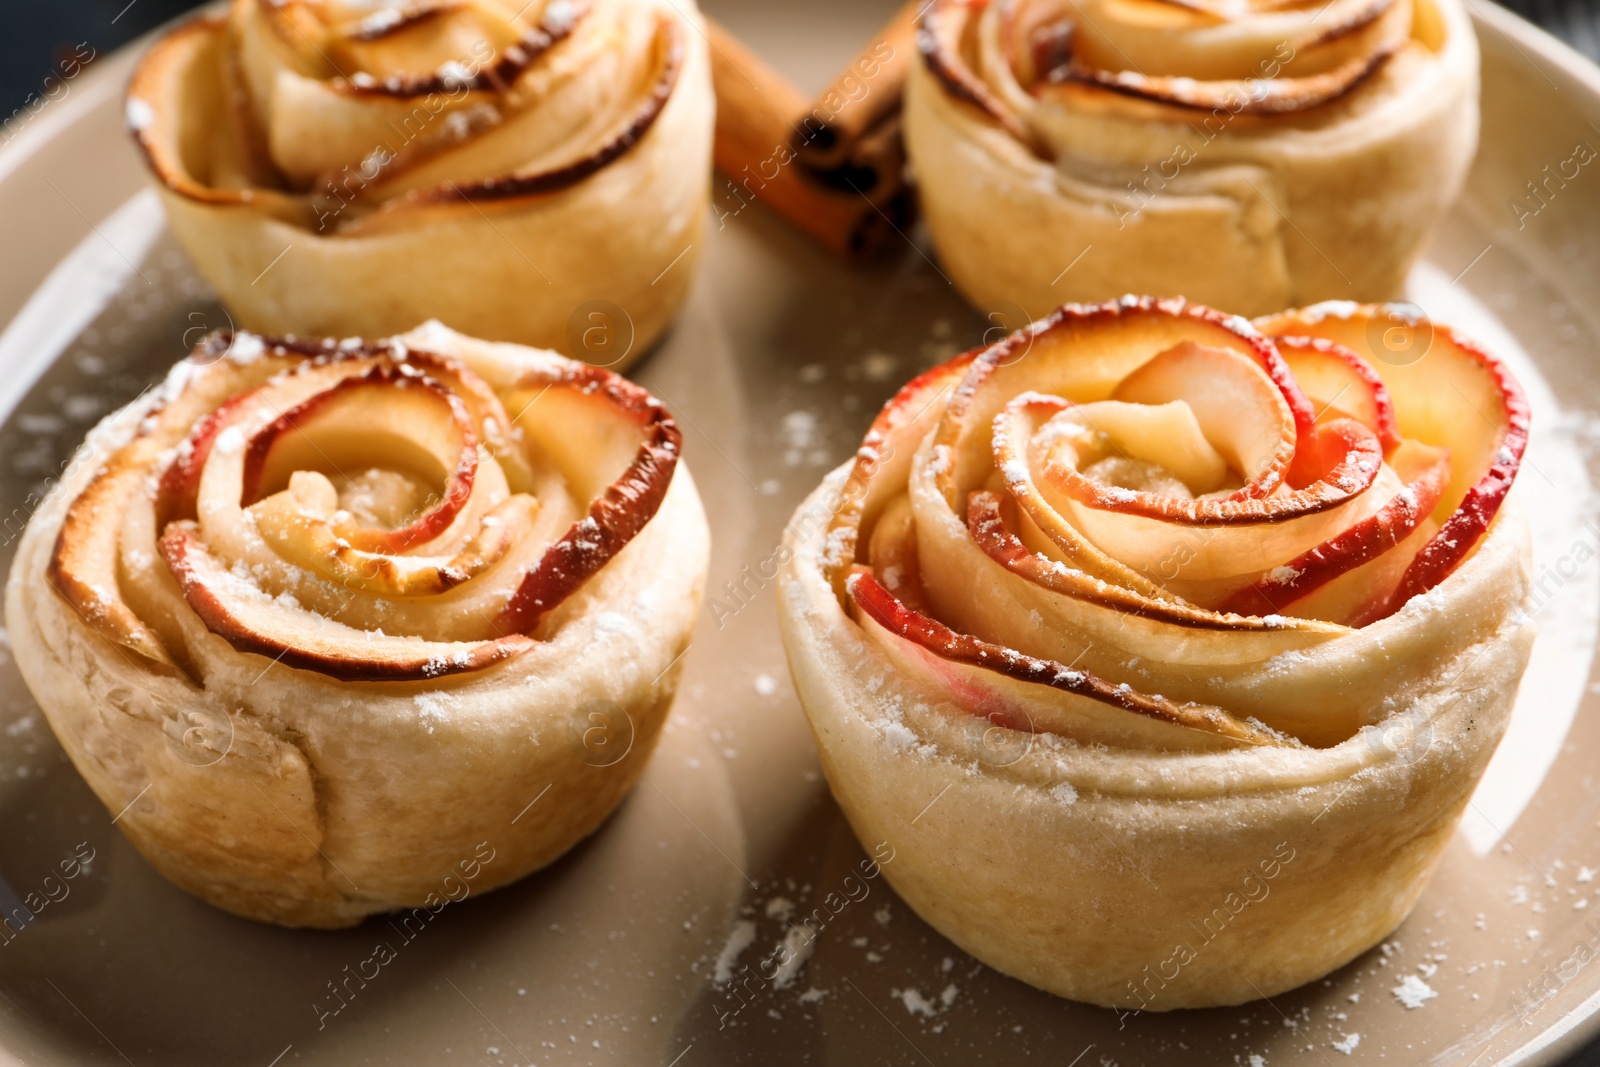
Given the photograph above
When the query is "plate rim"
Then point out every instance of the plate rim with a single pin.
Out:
(1559, 1041)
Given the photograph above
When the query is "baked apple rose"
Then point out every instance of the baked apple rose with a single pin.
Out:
(499, 165)
(1187, 579)
(1206, 148)
(337, 611)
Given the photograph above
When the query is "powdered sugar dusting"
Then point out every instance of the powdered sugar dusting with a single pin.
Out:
(1413, 992)
(741, 937)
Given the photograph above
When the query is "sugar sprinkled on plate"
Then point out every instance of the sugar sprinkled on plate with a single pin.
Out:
(741, 937)
(1413, 992)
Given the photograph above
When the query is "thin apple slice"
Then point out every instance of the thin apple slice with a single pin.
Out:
(1422, 470)
(401, 52)
(991, 532)
(1340, 382)
(1327, 60)
(489, 168)
(487, 413)
(592, 422)
(1137, 529)
(892, 553)
(296, 375)
(299, 524)
(1260, 96)
(251, 621)
(1448, 392)
(1014, 430)
(1362, 595)
(401, 42)
(83, 567)
(941, 33)
(882, 464)
(393, 414)
(1238, 408)
(1078, 354)
(1148, 436)
(1027, 694)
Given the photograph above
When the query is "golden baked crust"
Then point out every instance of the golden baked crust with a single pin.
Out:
(1250, 156)
(307, 745)
(1123, 793)
(521, 172)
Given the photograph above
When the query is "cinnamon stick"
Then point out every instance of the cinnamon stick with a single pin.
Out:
(758, 118)
(866, 93)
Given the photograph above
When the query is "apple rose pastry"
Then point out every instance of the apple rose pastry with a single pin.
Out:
(510, 168)
(1249, 153)
(1167, 649)
(320, 622)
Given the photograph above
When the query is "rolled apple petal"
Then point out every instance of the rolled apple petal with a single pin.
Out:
(1110, 342)
(252, 506)
(976, 676)
(1148, 482)
(417, 422)
(310, 539)
(1423, 471)
(1357, 46)
(601, 430)
(1339, 382)
(883, 463)
(1201, 148)
(250, 621)
(512, 168)
(1448, 392)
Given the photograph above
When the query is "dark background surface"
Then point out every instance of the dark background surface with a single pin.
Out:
(42, 38)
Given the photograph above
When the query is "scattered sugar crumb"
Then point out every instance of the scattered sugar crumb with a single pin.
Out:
(741, 937)
(915, 1002)
(1413, 992)
(798, 944)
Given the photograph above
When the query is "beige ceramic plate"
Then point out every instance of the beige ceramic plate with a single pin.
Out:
(731, 844)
